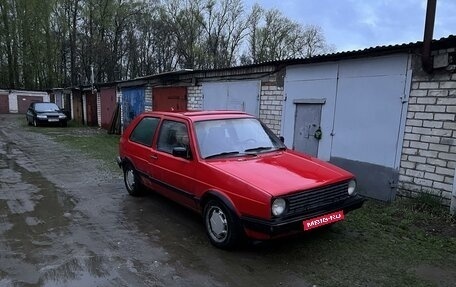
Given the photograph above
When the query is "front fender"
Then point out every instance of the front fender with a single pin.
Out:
(220, 196)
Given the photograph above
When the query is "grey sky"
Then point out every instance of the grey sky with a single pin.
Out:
(358, 24)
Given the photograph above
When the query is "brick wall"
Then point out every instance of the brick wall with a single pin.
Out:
(194, 98)
(271, 98)
(148, 104)
(99, 108)
(271, 103)
(428, 159)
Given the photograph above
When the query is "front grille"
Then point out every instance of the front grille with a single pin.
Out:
(312, 199)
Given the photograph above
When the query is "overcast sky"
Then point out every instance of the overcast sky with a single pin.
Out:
(358, 24)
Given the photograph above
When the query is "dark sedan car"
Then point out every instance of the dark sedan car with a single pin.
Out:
(45, 113)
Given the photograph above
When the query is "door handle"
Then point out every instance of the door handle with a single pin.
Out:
(153, 156)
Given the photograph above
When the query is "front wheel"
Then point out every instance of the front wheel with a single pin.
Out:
(222, 226)
(132, 181)
(35, 123)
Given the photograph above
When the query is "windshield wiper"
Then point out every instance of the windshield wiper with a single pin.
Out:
(225, 153)
(260, 148)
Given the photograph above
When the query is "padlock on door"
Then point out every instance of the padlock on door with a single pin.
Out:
(318, 134)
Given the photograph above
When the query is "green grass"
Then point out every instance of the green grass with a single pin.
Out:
(94, 142)
(378, 245)
(103, 147)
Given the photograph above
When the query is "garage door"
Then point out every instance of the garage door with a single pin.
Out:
(4, 105)
(133, 100)
(108, 106)
(23, 102)
(236, 95)
(170, 99)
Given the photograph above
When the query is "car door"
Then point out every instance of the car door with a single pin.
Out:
(29, 113)
(174, 173)
(140, 147)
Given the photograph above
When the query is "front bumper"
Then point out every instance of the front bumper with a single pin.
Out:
(279, 226)
(47, 121)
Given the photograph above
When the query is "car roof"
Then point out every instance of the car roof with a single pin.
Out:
(201, 115)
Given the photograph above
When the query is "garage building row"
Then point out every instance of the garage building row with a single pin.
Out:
(374, 112)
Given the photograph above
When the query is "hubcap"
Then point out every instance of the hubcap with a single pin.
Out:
(217, 224)
(130, 179)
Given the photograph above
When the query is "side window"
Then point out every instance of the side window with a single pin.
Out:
(144, 131)
(172, 134)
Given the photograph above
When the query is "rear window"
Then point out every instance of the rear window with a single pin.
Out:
(144, 131)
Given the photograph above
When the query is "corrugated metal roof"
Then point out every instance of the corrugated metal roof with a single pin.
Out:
(442, 43)
(412, 47)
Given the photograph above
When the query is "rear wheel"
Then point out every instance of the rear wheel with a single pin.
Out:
(132, 181)
(222, 226)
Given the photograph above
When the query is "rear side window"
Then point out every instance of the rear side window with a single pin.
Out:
(144, 131)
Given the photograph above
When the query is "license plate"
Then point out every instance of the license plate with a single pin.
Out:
(53, 120)
(323, 220)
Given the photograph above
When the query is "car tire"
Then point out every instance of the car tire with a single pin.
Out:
(222, 226)
(28, 122)
(35, 123)
(132, 181)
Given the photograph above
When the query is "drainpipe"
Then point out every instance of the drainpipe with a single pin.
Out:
(453, 196)
(426, 59)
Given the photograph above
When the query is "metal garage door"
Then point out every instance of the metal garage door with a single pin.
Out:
(133, 100)
(237, 95)
(23, 102)
(170, 99)
(4, 104)
(108, 106)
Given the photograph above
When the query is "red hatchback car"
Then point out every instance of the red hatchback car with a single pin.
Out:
(233, 170)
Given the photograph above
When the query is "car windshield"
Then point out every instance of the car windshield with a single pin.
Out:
(234, 137)
(46, 107)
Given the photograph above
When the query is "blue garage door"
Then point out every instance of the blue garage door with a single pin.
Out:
(132, 104)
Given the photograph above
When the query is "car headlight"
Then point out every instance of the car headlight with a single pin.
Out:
(278, 206)
(352, 187)
(41, 116)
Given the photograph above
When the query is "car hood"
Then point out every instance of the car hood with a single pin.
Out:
(282, 172)
(50, 113)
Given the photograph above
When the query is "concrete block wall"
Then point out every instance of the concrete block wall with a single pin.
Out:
(271, 104)
(428, 158)
(194, 98)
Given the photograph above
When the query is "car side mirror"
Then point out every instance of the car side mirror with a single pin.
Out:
(282, 139)
(181, 152)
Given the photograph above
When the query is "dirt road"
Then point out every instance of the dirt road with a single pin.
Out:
(64, 221)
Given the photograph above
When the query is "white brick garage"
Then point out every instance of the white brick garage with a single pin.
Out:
(19, 100)
(428, 160)
(363, 105)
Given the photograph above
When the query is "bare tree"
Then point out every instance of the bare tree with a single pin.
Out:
(44, 44)
(272, 36)
(225, 26)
